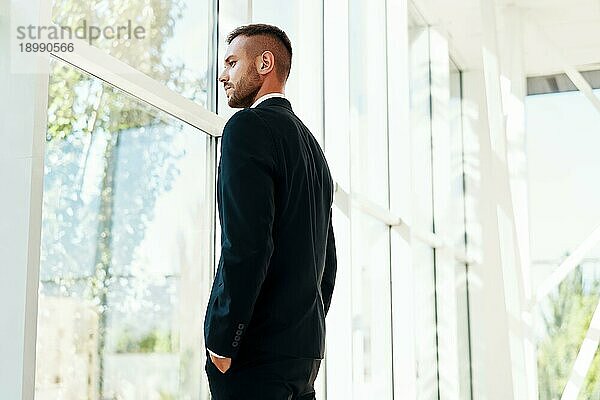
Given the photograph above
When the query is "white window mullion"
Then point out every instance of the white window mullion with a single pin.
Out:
(97, 63)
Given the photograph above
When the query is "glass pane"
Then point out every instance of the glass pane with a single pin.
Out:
(126, 247)
(371, 308)
(305, 84)
(563, 320)
(371, 300)
(368, 103)
(562, 144)
(457, 202)
(338, 365)
(421, 216)
(457, 211)
(563, 163)
(232, 13)
(420, 126)
(174, 45)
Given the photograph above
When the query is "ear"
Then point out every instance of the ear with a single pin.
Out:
(265, 63)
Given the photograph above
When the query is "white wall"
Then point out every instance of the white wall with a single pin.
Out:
(21, 174)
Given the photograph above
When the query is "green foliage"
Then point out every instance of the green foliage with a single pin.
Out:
(566, 320)
(80, 108)
(77, 101)
(158, 17)
(61, 116)
(155, 341)
(166, 396)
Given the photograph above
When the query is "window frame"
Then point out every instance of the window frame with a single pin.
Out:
(114, 72)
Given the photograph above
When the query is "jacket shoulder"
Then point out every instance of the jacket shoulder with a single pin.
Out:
(243, 120)
(246, 132)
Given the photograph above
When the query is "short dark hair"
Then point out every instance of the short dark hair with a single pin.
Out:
(283, 58)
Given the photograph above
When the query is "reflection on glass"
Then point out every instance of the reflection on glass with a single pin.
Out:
(174, 46)
(126, 248)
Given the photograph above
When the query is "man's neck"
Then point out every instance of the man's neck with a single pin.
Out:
(268, 89)
(265, 97)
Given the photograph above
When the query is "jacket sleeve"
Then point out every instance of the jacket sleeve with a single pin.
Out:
(329, 273)
(245, 194)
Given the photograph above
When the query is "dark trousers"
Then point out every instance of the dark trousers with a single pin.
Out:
(258, 375)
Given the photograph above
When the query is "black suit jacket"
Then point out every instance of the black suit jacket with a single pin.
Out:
(278, 264)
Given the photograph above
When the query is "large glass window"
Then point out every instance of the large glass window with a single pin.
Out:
(438, 207)
(232, 13)
(338, 365)
(176, 43)
(126, 247)
(371, 302)
(129, 208)
(457, 231)
(304, 88)
(563, 163)
(421, 217)
(450, 271)
(305, 85)
(371, 309)
(368, 102)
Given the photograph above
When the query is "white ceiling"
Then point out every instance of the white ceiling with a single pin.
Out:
(573, 26)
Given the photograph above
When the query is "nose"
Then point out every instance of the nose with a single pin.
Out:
(223, 77)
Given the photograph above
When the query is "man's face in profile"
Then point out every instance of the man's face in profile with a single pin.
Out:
(240, 78)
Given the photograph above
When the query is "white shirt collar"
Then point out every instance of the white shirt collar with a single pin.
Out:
(265, 97)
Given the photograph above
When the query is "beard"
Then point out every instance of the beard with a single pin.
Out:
(244, 92)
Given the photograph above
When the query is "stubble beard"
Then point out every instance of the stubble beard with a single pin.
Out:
(246, 89)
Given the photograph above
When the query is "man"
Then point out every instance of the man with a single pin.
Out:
(265, 322)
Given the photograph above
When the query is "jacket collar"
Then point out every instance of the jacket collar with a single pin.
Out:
(275, 101)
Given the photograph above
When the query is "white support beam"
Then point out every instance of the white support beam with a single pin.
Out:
(568, 265)
(498, 332)
(584, 358)
(116, 73)
(491, 362)
(514, 91)
(344, 200)
(23, 111)
(578, 80)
